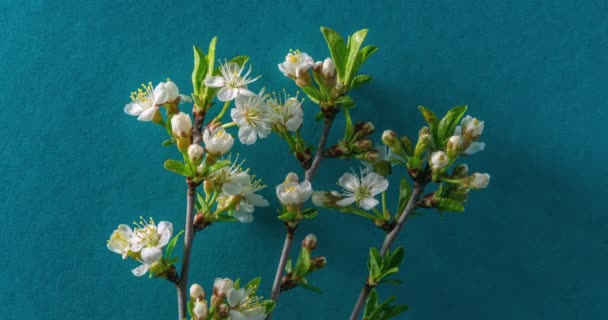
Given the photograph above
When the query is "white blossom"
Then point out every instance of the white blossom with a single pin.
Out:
(200, 309)
(195, 152)
(149, 239)
(439, 160)
(120, 241)
(196, 292)
(221, 286)
(295, 64)
(291, 192)
(329, 69)
(287, 112)
(253, 117)
(231, 82)
(165, 92)
(142, 103)
(470, 129)
(218, 141)
(243, 307)
(362, 189)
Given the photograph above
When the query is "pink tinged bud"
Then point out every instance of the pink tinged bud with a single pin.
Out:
(197, 292)
(222, 286)
(439, 160)
(195, 153)
(181, 125)
(310, 242)
(479, 180)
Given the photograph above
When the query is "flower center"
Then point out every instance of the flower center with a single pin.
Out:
(143, 94)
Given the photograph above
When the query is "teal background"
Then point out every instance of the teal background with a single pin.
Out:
(532, 246)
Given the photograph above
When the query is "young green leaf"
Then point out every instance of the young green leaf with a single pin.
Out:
(200, 67)
(431, 119)
(354, 44)
(211, 56)
(169, 142)
(349, 128)
(337, 49)
(177, 167)
(405, 190)
(310, 213)
(448, 123)
(359, 80)
(304, 284)
(253, 285)
(171, 244)
(303, 264)
(446, 204)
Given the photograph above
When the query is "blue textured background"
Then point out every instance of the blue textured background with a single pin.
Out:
(532, 246)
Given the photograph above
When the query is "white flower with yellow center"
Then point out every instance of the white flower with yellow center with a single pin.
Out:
(242, 307)
(244, 210)
(362, 189)
(287, 112)
(295, 64)
(142, 103)
(232, 179)
(253, 116)
(218, 141)
(120, 241)
(149, 239)
(291, 192)
(231, 82)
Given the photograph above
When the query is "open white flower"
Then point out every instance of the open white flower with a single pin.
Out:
(120, 241)
(291, 192)
(470, 129)
(231, 82)
(253, 117)
(287, 112)
(295, 64)
(362, 189)
(243, 307)
(244, 210)
(142, 103)
(232, 179)
(149, 239)
(218, 141)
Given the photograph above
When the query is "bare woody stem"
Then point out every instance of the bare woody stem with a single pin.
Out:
(309, 174)
(388, 241)
(188, 236)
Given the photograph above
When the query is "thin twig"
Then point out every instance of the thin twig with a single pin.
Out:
(309, 174)
(388, 241)
(188, 236)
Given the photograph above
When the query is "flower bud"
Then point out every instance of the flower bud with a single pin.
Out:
(478, 180)
(197, 292)
(391, 140)
(424, 141)
(195, 153)
(439, 160)
(310, 242)
(223, 310)
(471, 127)
(208, 186)
(181, 125)
(454, 145)
(166, 92)
(407, 145)
(318, 262)
(303, 79)
(218, 141)
(460, 171)
(200, 309)
(363, 129)
(336, 151)
(329, 69)
(362, 145)
(222, 286)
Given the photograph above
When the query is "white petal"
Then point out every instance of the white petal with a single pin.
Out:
(227, 94)
(346, 202)
(165, 229)
(215, 82)
(232, 188)
(257, 200)
(141, 270)
(237, 315)
(475, 147)
(160, 94)
(368, 203)
(236, 296)
(133, 109)
(349, 182)
(147, 115)
(184, 99)
(294, 123)
(151, 255)
(247, 135)
(245, 92)
(243, 216)
(458, 131)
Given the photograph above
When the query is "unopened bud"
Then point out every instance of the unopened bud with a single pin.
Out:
(222, 286)
(454, 146)
(208, 186)
(325, 199)
(223, 311)
(200, 309)
(181, 125)
(391, 140)
(363, 129)
(362, 145)
(195, 153)
(424, 141)
(428, 201)
(310, 242)
(471, 127)
(439, 160)
(329, 69)
(407, 145)
(303, 79)
(372, 156)
(197, 292)
(318, 262)
(336, 151)
(460, 171)
(478, 180)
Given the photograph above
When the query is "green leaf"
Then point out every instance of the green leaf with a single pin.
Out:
(370, 305)
(405, 191)
(310, 213)
(313, 94)
(172, 243)
(253, 285)
(287, 216)
(337, 49)
(319, 116)
(211, 56)
(303, 264)
(354, 44)
(349, 128)
(169, 142)
(218, 165)
(375, 263)
(226, 218)
(431, 119)
(177, 167)
(359, 80)
(448, 123)
(190, 307)
(200, 67)
(397, 257)
(288, 267)
(304, 284)
(446, 204)
(269, 305)
(237, 283)
(201, 202)
(346, 102)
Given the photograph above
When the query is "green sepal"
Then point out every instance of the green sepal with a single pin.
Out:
(405, 191)
(303, 264)
(447, 125)
(337, 49)
(169, 142)
(319, 116)
(287, 216)
(190, 308)
(269, 305)
(172, 243)
(360, 80)
(253, 285)
(310, 213)
(237, 284)
(177, 167)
